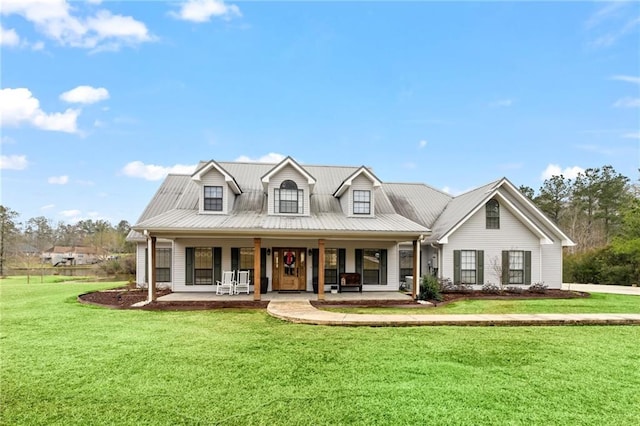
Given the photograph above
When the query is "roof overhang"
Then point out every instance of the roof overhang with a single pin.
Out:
(292, 163)
(228, 178)
(344, 186)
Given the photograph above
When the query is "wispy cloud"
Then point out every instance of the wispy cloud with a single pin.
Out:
(597, 149)
(422, 144)
(627, 78)
(58, 180)
(138, 169)
(200, 11)
(271, 157)
(627, 102)
(556, 170)
(611, 23)
(501, 103)
(13, 162)
(47, 207)
(409, 165)
(633, 135)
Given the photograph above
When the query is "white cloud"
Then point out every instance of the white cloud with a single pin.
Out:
(138, 169)
(72, 215)
(58, 180)
(611, 23)
(627, 78)
(627, 103)
(422, 144)
(85, 95)
(271, 157)
(9, 37)
(446, 189)
(556, 170)
(635, 135)
(202, 10)
(13, 162)
(57, 20)
(6, 139)
(501, 103)
(47, 207)
(18, 106)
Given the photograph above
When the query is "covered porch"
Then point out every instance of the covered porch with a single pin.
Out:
(329, 297)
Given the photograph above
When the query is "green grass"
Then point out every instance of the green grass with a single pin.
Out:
(64, 363)
(596, 303)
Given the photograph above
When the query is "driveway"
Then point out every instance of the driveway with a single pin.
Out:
(600, 288)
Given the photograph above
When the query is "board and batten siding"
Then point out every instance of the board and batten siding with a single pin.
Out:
(215, 178)
(360, 183)
(288, 173)
(512, 235)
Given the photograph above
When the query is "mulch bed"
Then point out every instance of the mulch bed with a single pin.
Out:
(124, 298)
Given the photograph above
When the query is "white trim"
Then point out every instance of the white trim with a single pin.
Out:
(348, 181)
(197, 176)
(289, 162)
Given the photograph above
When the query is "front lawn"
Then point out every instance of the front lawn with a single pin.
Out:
(596, 303)
(67, 363)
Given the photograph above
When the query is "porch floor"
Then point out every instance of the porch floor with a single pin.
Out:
(269, 296)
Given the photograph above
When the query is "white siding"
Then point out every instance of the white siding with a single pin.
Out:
(552, 265)
(512, 235)
(141, 265)
(361, 183)
(215, 178)
(288, 173)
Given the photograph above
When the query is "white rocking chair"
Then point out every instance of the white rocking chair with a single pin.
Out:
(242, 284)
(227, 283)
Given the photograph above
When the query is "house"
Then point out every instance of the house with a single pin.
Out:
(298, 227)
(71, 255)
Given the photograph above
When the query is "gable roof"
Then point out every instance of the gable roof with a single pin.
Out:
(228, 178)
(288, 162)
(348, 181)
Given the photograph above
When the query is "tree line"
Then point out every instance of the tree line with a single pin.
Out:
(599, 210)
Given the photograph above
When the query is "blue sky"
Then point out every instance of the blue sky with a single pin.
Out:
(100, 100)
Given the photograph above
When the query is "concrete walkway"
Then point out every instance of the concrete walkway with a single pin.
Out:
(302, 312)
(600, 288)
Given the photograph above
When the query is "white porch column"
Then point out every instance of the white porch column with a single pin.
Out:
(151, 245)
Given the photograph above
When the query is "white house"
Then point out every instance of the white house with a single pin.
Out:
(298, 227)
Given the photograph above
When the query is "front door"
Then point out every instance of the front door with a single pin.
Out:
(289, 269)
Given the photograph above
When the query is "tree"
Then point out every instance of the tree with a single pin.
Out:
(527, 191)
(628, 240)
(613, 195)
(8, 230)
(554, 195)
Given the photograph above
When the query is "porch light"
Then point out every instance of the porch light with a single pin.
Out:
(310, 252)
(268, 252)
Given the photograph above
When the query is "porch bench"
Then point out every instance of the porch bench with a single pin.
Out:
(349, 280)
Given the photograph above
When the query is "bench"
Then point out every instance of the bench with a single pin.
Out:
(349, 280)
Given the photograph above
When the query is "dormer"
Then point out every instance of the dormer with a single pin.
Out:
(356, 193)
(217, 189)
(288, 186)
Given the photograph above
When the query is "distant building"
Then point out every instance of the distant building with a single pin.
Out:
(71, 255)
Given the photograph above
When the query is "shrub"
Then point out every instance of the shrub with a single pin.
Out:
(490, 288)
(448, 286)
(538, 288)
(514, 289)
(430, 289)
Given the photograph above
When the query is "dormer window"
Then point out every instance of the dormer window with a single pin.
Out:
(288, 198)
(361, 202)
(213, 198)
(493, 214)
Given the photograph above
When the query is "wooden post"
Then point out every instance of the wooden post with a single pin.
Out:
(152, 269)
(320, 269)
(257, 273)
(416, 273)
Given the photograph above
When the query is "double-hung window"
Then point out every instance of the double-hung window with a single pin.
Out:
(361, 202)
(163, 265)
(203, 270)
(468, 266)
(213, 198)
(516, 267)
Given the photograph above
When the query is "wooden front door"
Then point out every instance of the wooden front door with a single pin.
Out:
(289, 269)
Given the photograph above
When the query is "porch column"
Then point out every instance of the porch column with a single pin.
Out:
(256, 269)
(151, 244)
(320, 269)
(416, 272)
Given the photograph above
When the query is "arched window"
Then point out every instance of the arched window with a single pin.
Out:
(493, 214)
(287, 197)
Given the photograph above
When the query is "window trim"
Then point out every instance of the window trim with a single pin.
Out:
(492, 214)
(360, 203)
(213, 200)
(297, 201)
(163, 273)
(512, 270)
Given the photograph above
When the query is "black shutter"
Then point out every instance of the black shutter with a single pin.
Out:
(342, 261)
(505, 267)
(480, 267)
(359, 263)
(189, 261)
(235, 258)
(217, 264)
(456, 267)
(315, 259)
(263, 262)
(527, 267)
(383, 267)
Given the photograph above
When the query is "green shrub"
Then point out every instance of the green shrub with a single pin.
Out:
(430, 289)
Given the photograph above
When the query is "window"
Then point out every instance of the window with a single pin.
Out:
(516, 267)
(213, 198)
(361, 202)
(372, 266)
(406, 264)
(331, 266)
(246, 261)
(493, 214)
(163, 265)
(288, 198)
(203, 266)
(468, 266)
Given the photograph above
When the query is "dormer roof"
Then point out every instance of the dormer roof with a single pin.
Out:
(348, 181)
(284, 163)
(229, 179)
